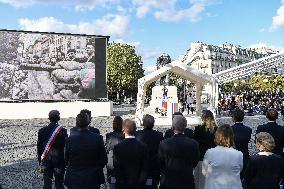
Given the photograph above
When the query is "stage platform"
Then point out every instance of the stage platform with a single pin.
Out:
(192, 120)
(30, 110)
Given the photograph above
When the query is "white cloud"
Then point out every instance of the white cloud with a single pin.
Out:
(278, 20)
(113, 25)
(142, 11)
(149, 54)
(149, 69)
(262, 30)
(133, 43)
(166, 10)
(79, 5)
(192, 14)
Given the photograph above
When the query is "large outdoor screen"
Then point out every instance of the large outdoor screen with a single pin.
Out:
(52, 66)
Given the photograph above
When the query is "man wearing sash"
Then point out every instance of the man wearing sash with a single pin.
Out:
(50, 150)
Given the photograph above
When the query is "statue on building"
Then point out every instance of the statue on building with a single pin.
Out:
(163, 60)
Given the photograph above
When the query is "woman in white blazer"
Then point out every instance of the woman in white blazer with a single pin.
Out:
(222, 165)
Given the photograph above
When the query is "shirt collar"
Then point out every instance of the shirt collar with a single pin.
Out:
(271, 121)
(265, 153)
(130, 137)
(238, 122)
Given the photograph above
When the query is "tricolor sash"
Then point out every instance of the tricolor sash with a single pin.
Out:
(53, 136)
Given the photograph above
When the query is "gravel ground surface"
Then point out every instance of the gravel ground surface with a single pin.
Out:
(18, 146)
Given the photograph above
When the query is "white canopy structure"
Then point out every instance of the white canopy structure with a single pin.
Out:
(250, 68)
(182, 70)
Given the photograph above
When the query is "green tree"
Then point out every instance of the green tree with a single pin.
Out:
(124, 69)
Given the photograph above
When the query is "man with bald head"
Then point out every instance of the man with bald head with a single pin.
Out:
(130, 160)
(178, 156)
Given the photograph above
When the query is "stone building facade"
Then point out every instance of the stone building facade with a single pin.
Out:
(212, 59)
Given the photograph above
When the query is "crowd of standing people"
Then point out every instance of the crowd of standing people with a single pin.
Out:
(208, 157)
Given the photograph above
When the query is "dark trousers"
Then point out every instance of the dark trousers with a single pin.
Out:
(190, 108)
(48, 175)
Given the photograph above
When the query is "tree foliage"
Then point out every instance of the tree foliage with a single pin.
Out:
(259, 82)
(124, 69)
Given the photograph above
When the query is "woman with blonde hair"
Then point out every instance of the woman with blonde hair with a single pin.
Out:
(266, 169)
(222, 165)
(204, 134)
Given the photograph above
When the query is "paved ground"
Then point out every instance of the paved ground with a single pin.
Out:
(18, 147)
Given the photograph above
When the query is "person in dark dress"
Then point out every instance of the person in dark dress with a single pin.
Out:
(130, 160)
(151, 139)
(85, 157)
(204, 134)
(170, 132)
(178, 156)
(53, 164)
(275, 130)
(112, 139)
(242, 136)
(266, 169)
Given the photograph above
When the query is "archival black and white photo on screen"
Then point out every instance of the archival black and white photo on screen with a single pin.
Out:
(42, 66)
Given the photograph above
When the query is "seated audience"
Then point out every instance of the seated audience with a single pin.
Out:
(151, 139)
(242, 136)
(130, 160)
(52, 161)
(204, 134)
(85, 157)
(266, 169)
(222, 165)
(169, 133)
(178, 156)
(92, 129)
(112, 139)
(275, 130)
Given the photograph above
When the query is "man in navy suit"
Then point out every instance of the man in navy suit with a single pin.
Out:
(151, 139)
(275, 130)
(85, 157)
(242, 136)
(130, 160)
(178, 156)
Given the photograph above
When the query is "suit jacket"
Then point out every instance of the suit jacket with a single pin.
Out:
(221, 167)
(151, 139)
(85, 157)
(264, 171)
(130, 164)
(178, 156)
(205, 139)
(74, 130)
(55, 156)
(277, 132)
(169, 133)
(242, 136)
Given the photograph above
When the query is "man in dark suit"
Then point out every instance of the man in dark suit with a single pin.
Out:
(170, 132)
(242, 136)
(275, 130)
(151, 139)
(53, 163)
(92, 129)
(178, 156)
(85, 157)
(130, 160)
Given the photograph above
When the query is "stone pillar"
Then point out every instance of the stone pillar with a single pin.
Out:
(198, 98)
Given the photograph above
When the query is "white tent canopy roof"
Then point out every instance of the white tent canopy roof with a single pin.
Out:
(178, 68)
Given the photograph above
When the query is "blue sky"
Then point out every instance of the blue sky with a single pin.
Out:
(154, 26)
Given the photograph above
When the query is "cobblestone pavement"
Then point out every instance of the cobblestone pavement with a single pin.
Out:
(18, 147)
